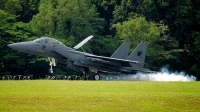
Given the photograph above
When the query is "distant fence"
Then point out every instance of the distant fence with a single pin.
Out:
(16, 77)
(62, 77)
(30, 77)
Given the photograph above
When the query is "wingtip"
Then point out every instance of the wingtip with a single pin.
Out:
(91, 36)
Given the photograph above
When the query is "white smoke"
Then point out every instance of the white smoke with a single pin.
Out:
(163, 75)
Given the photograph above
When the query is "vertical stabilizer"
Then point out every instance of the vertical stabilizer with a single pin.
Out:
(139, 53)
(123, 51)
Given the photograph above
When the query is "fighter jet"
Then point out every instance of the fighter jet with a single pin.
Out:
(57, 52)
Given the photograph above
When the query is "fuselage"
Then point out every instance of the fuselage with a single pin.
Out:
(52, 48)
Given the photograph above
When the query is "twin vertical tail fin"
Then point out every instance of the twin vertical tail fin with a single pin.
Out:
(123, 51)
(139, 53)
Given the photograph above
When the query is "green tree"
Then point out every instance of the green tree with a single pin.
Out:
(12, 6)
(105, 9)
(137, 29)
(44, 23)
(194, 41)
(28, 9)
(13, 62)
(23, 9)
(66, 18)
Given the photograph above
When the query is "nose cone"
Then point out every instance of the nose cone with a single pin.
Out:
(12, 46)
(21, 46)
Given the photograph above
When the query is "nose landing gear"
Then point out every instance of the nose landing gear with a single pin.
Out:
(52, 62)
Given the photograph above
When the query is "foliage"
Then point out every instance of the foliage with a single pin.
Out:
(23, 9)
(195, 51)
(138, 29)
(105, 9)
(66, 19)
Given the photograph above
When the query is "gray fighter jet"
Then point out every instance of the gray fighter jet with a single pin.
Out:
(119, 62)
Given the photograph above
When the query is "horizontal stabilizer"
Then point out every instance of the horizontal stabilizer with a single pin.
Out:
(83, 42)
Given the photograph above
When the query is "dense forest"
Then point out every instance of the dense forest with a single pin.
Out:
(172, 28)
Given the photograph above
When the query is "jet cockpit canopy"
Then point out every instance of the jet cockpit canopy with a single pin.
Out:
(47, 40)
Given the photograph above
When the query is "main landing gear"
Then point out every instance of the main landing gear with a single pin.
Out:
(95, 76)
(83, 76)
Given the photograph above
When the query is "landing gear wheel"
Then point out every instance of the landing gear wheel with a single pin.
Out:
(96, 77)
(50, 70)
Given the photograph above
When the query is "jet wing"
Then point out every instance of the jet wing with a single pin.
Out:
(83, 42)
(111, 61)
